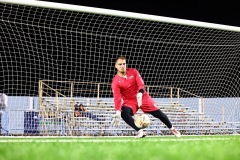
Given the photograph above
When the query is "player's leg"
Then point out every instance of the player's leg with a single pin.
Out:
(163, 117)
(160, 115)
(126, 115)
(149, 106)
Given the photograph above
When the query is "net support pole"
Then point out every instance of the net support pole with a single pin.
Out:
(223, 114)
(57, 101)
(40, 93)
(178, 95)
(201, 105)
(171, 95)
(72, 104)
(98, 91)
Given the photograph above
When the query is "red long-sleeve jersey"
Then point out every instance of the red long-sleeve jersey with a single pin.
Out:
(127, 87)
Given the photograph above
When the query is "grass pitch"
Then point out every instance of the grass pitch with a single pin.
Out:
(225, 147)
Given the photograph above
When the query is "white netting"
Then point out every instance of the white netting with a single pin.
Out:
(190, 68)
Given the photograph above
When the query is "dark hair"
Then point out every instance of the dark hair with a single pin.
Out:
(120, 57)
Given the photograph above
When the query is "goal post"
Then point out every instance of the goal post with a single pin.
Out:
(54, 55)
(110, 12)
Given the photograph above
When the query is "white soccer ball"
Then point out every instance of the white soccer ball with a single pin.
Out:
(142, 120)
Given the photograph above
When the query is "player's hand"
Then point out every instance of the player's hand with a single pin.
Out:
(116, 119)
(139, 99)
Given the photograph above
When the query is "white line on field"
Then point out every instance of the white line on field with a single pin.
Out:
(110, 140)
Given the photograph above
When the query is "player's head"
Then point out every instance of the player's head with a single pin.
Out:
(120, 65)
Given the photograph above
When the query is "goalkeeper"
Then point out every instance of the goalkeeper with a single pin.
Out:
(130, 95)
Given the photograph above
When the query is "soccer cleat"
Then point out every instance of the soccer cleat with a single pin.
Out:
(141, 134)
(175, 132)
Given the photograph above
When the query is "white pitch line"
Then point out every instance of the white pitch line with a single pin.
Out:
(107, 140)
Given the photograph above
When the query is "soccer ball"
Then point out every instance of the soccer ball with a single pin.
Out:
(142, 120)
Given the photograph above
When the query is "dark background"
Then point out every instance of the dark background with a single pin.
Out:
(48, 44)
(219, 12)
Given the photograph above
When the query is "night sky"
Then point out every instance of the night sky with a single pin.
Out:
(226, 13)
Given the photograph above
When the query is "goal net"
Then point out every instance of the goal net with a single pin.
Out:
(55, 55)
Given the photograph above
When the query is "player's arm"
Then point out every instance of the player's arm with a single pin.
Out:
(139, 81)
(140, 84)
(116, 95)
(117, 103)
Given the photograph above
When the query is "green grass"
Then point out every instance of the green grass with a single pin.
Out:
(127, 148)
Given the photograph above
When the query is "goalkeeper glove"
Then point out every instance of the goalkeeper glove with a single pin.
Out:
(116, 118)
(139, 99)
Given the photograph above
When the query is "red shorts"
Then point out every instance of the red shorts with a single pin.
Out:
(148, 104)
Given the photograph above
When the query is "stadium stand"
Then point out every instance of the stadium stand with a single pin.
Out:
(187, 120)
